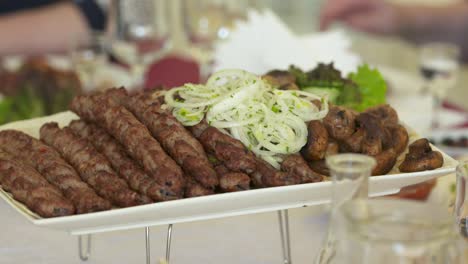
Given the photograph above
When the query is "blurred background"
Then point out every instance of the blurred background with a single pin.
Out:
(148, 44)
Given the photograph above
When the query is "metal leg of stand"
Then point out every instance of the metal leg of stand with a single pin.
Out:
(168, 243)
(148, 248)
(84, 256)
(284, 232)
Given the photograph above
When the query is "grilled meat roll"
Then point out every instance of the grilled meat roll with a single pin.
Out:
(93, 167)
(135, 137)
(54, 168)
(230, 151)
(29, 187)
(232, 181)
(127, 168)
(175, 139)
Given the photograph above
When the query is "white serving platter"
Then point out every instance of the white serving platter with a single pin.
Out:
(207, 207)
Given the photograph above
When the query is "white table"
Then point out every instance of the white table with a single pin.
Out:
(244, 239)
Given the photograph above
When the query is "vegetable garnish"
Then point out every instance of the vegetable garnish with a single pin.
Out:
(267, 121)
(372, 87)
(359, 90)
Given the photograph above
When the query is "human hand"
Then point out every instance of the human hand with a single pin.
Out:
(373, 16)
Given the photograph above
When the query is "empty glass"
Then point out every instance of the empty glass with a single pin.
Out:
(140, 34)
(89, 58)
(439, 67)
(208, 21)
(395, 232)
(350, 173)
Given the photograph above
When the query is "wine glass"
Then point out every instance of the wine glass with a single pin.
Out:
(439, 67)
(207, 22)
(140, 34)
(88, 58)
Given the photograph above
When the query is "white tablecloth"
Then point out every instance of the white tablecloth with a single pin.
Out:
(243, 239)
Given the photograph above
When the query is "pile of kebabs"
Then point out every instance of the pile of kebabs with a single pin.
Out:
(375, 132)
(129, 150)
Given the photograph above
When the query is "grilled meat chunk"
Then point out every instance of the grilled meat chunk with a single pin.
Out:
(340, 122)
(128, 169)
(54, 168)
(179, 143)
(317, 141)
(421, 157)
(29, 187)
(93, 167)
(135, 137)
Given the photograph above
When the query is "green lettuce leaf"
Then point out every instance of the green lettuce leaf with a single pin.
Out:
(372, 87)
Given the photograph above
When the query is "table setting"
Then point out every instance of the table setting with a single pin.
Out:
(213, 133)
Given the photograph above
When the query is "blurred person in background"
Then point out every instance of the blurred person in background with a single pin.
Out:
(38, 26)
(416, 23)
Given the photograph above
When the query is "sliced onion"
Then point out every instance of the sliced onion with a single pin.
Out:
(269, 122)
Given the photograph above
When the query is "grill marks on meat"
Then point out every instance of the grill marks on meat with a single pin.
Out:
(135, 137)
(400, 138)
(421, 157)
(230, 151)
(375, 132)
(232, 181)
(295, 165)
(340, 122)
(385, 161)
(385, 113)
(233, 155)
(175, 139)
(371, 144)
(317, 141)
(136, 178)
(54, 168)
(93, 167)
(31, 188)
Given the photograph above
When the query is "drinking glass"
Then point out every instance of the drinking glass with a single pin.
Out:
(206, 22)
(350, 173)
(396, 231)
(140, 34)
(439, 68)
(88, 58)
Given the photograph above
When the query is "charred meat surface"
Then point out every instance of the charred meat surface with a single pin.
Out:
(194, 189)
(320, 167)
(136, 139)
(340, 122)
(332, 148)
(421, 157)
(400, 138)
(354, 142)
(385, 113)
(283, 80)
(385, 161)
(266, 175)
(54, 168)
(230, 151)
(294, 164)
(232, 181)
(135, 177)
(29, 187)
(372, 141)
(92, 166)
(317, 141)
(179, 143)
